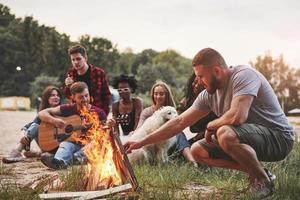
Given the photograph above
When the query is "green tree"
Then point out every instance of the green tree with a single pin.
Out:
(125, 63)
(36, 49)
(280, 76)
(143, 58)
(101, 52)
(148, 74)
(5, 16)
(181, 66)
(39, 84)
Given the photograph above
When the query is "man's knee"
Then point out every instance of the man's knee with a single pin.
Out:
(226, 137)
(198, 151)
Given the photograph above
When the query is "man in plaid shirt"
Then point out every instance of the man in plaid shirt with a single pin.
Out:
(94, 77)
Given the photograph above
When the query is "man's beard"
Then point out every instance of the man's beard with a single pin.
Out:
(214, 85)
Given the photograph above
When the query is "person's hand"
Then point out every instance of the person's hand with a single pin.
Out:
(210, 130)
(23, 132)
(59, 123)
(208, 134)
(111, 123)
(69, 81)
(131, 145)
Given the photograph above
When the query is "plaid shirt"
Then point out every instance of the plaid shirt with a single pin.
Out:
(100, 94)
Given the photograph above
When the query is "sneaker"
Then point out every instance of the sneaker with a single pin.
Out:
(263, 191)
(13, 156)
(271, 176)
(49, 161)
(79, 158)
(195, 164)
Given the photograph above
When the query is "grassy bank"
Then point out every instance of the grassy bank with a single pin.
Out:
(181, 180)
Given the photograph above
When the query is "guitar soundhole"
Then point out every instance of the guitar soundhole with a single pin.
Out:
(69, 128)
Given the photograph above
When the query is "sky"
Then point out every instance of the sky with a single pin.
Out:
(240, 30)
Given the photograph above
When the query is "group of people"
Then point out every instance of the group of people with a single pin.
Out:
(234, 110)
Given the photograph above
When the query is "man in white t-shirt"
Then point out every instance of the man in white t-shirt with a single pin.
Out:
(251, 126)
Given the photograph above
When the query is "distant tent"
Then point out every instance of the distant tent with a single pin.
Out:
(294, 111)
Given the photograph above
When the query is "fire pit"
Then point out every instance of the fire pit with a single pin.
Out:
(108, 169)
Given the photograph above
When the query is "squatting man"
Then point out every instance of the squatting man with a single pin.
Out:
(250, 127)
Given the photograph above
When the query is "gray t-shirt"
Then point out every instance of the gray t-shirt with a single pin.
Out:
(265, 109)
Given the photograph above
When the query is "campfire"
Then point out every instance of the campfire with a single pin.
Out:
(107, 164)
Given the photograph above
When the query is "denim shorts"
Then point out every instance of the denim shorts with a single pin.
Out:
(269, 144)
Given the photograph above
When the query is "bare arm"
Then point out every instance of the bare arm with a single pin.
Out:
(236, 115)
(147, 112)
(48, 114)
(114, 109)
(169, 129)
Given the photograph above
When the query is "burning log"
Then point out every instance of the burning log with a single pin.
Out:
(125, 164)
(96, 180)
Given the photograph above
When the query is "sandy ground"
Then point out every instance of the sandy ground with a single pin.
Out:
(11, 124)
(31, 171)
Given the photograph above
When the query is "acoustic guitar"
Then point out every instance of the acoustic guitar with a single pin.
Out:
(49, 136)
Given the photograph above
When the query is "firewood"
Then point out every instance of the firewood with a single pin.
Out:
(87, 195)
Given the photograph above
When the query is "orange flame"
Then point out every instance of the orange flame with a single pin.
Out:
(99, 152)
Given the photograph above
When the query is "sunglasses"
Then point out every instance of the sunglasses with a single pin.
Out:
(124, 90)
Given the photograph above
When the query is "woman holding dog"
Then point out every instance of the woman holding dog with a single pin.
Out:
(127, 110)
(161, 95)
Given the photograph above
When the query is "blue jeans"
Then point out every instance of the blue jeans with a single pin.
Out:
(32, 131)
(66, 151)
(181, 142)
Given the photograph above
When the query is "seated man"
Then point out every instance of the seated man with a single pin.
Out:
(64, 154)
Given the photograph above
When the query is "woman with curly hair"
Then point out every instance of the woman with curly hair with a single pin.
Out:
(127, 110)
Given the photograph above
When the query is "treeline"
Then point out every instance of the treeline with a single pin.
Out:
(34, 55)
(30, 52)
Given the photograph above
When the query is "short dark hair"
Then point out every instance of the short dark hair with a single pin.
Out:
(123, 78)
(78, 87)
(77, 48)
(208, 57)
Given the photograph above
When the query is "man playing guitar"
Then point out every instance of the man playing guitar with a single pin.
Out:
(66, 149)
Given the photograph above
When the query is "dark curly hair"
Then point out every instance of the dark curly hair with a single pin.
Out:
(123, 78)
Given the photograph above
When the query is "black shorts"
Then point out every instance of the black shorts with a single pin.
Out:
(270, 145)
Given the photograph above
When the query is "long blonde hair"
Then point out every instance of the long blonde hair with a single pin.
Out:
(169, 97)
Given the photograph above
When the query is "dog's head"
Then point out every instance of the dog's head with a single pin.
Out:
(167, 112)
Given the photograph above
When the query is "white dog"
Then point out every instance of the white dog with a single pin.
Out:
(154, 152)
